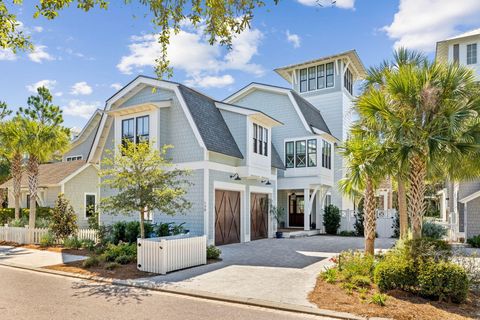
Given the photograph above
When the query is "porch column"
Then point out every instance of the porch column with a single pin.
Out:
(306, 210)
(319, 204)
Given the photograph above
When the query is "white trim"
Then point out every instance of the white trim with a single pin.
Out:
(140, 107)
(93, 151)
(206, 203)
(470, 197)
(69, 177)
(210, 165)
(79, 138)
(85, 194)
(257, 115)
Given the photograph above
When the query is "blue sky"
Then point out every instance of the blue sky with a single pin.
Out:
(85, 57)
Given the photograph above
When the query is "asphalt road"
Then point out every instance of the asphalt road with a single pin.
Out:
(33, 295)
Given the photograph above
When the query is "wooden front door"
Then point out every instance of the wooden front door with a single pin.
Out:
(296, 210)
(258, 216)
(227, 217)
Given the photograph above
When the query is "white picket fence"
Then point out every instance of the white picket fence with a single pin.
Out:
(32, 236)
(385, 221)
(162, 255)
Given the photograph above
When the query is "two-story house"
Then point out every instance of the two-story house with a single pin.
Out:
(460, 200)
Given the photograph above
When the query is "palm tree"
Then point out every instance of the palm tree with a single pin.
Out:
(366, 158)
(12, 147)
(428, 112)
(42, 127)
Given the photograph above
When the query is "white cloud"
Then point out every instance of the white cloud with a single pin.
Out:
(81, 88)
(211, 81)
(293, 38)
(342, 4)
(38, 29)
(58, 94)
(419, 24)
(190, 52)
(82, 109)
(49, 84)
(8, 55)
(116, 86)
(39, 54)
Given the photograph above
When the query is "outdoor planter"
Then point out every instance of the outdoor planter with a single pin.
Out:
(165, 254)
(279, 234)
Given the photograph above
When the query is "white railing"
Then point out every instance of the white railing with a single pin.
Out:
(162, 255)
(33, 236)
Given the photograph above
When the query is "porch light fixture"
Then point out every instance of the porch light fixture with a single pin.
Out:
(235, 177)
(266, 181)
(293, 196)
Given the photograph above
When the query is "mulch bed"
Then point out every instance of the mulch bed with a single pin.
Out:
(400, 305)
(123, 272)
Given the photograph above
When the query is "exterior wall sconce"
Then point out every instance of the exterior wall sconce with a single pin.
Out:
(235, 177)
(266, 181)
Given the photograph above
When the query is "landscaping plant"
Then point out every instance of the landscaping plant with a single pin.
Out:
(123, 253)
(213, 252)
(64, 219)
(331, 219)
(158, 186)
(433, 230)
(47, 240)
(72, 243)
(474, 241)
(90, 262)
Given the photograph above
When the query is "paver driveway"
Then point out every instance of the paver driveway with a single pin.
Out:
(279, 270)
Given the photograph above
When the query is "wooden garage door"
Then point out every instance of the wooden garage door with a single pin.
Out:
(259, 216)
(227, 217)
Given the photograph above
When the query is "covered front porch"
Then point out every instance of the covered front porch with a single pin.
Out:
(303, 208)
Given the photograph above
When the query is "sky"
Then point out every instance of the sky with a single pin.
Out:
(84, 58)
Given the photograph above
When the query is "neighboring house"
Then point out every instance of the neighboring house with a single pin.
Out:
(460, 201)
(78, 180)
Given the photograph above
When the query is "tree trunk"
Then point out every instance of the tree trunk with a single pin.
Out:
(32, 167)
(402, 208)
(142, 225)
(17, 181)
(416, 199)
(369, 221)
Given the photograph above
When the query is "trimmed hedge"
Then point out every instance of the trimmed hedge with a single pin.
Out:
(395, 273)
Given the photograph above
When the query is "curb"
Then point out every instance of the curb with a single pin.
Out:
(200, 294)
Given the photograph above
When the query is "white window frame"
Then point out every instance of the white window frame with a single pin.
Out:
(324, 77)
(74, 158)
(85, 202)
(473, 57)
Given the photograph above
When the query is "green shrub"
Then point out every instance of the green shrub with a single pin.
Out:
(213, 252)
(112, 252)
(125, 259)
(93, 218)
(88, 244)
(425, 249)
(474, 241)
(72, 243)
(346, 233)
(355, 263)
(129, 232)
(47, 240)
(169, 229)
(433, 231)
(22, 222)
(91, 262)
(8, 214)
(395, 272)
(444, 281)
(64, 220)
(331, 219)
(112, 266)
(379, 299)
(330, 275)
(360, 281)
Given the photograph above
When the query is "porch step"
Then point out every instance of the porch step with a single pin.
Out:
(300, 233)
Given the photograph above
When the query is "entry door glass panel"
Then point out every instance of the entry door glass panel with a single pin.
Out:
(296, 210)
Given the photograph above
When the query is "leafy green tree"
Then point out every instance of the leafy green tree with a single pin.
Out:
(428, 114)
(144, 180)
(64, 220)
(331, 219)
(41, 126)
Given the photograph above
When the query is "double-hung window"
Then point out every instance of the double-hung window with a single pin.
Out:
(312, 152)
(312, 81)
(300, 154)
(142, 129)
(321, 76)
(128, 131)
(472, 53)
(303, 80)
(330, 75)
(260, 140)
(289, 154)
(327, 155)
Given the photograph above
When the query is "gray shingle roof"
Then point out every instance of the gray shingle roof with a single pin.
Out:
(210, 123)
(311, 114)
(276, 159)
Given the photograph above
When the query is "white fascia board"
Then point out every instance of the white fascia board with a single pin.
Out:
(470, 197)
